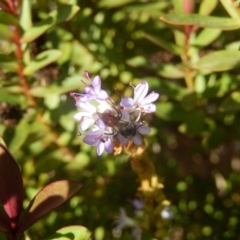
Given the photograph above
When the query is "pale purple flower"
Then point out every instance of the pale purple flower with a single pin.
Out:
(123, 220)
(99, 138)
(95, 91)
(91, 92)
(141, 100)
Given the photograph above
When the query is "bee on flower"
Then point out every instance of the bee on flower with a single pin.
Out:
(108, 125)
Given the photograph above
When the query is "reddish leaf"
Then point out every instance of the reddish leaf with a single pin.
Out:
(50, 197)
(11, 187)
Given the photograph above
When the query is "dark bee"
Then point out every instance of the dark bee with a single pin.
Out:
(127, 129)
(112, 118)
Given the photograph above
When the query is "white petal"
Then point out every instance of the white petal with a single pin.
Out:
(137, 139)
(140, 91)
(103, 95)
(100, 148)
(86, 123)
(150, 98)
(149, 108)
(96, 82)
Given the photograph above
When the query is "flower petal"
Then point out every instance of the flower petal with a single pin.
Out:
(127, 102)
(150, 98)
(143, 129)
(137, 139)
(86, 123)
(123, 140)
(96, 83)
(109, 145)
(149, 108)
(92, 138)
(100, 148)
(140, 91)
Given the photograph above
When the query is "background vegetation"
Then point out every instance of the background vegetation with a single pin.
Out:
(191, 59)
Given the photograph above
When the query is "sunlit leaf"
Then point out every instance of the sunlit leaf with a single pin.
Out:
(230, 8)
(11, 187)
(41, 60)
(64, 13)
(50, 197)
(206, 36)
(219, 61)
(71, 232)
(201, 21)
(206, 6)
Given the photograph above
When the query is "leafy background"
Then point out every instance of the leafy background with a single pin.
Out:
(191, 59)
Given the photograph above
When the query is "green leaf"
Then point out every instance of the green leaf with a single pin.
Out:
(41, 60)
(5, 32)
(168, 46)
(7, 18)
(231, 103)
(71, 233)
(195, 122)
(201, 21)
(114, 4)
(171, 112)
(64, 13)
(189, 100)
(206, 36)
(206, 6)
(230, 8)
(51, 196)
(170, 71)
(8, 62)
(219, 61)
(26, 16)
(137, 61)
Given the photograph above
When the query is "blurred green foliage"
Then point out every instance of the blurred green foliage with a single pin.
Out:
(192, 59)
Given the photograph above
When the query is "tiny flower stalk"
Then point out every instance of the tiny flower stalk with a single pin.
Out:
(150, 191)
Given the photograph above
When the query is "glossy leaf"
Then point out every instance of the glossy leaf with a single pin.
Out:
(71, 232)
(50, 197)
(11, 187)
(201, 21)
(64, 13)
(231, 103)
(41, 60)
(219, 61)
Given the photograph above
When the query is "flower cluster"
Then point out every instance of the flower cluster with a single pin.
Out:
(106, 123)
